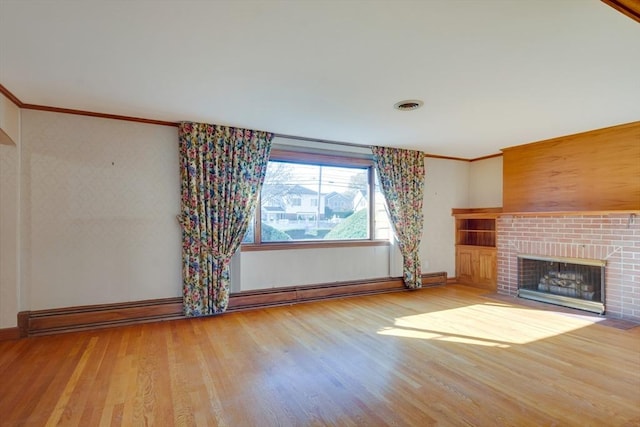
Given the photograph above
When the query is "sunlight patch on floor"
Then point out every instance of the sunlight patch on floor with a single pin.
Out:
(482, 324)
(409, 333)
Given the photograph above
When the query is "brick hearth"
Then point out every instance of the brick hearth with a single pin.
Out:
(613, 238)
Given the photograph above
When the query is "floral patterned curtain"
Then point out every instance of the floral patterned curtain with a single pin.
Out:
(222, 170)
(402, 180)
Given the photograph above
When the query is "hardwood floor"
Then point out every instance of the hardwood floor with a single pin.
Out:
(445, 356)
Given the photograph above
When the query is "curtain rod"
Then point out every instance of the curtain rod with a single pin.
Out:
(324, 141)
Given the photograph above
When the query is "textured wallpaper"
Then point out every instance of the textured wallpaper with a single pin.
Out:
(8, 235)
(99, 206)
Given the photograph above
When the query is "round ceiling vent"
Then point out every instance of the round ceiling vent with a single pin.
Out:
(408, 105)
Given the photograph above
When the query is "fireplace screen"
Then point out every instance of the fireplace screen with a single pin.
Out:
(576, 283)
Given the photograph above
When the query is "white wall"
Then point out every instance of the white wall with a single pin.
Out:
(9, 122)
(9, 215)
(99, 201)
(9, 272)
(446, 187)
(485, 183)
(269, 269)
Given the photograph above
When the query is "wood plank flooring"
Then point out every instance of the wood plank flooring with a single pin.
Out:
(439, 356)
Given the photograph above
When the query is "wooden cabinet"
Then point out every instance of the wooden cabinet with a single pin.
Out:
(476, 247)
(476, 266)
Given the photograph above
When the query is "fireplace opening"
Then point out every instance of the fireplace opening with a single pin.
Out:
(570, 282)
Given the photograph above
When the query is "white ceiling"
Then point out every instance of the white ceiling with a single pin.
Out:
(492, 74)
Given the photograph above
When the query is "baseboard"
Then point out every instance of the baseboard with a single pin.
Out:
(434, 279)
(9, 333)
(45, 322)
(452, 280)
(298, 294)
(68, 319)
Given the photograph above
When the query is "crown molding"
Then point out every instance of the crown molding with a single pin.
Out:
(37, 107)
(630, 8)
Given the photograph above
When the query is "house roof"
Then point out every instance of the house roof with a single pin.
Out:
(274, 209)
(491, 73)
(299, 190)
(335, 194)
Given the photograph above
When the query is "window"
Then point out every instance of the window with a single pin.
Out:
(315, 198)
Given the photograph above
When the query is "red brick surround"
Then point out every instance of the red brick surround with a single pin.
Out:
(614, 238)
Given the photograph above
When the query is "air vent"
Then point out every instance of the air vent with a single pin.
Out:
(408, 105)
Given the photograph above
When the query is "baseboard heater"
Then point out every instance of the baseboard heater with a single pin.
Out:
(69, 319)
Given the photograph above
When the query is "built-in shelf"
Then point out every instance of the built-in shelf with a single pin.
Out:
(476, 246)
(476, 231)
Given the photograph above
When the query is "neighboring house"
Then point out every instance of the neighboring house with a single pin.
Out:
(296, 202)
(359, 201)
(338, 203)
(291, 202)
(272, 213)
(301, 203)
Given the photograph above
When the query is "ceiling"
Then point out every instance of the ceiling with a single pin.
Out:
(492, 74)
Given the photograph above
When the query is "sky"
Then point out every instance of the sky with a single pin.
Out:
(333, 178)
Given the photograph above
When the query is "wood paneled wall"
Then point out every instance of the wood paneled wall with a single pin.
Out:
(592, 171)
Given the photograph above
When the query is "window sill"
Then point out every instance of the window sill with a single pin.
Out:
(249, 247)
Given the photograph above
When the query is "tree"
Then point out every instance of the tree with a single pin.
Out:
(277, 189)
(359, 182)
(267, 234)
(271, 234)
(353, 227)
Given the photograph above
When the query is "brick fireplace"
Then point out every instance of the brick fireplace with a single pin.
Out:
(612, 239)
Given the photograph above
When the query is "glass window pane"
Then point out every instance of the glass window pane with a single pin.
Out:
(302, 202)
(382, 227)
(249, 235)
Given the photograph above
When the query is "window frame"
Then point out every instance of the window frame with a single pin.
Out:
(318, 159)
